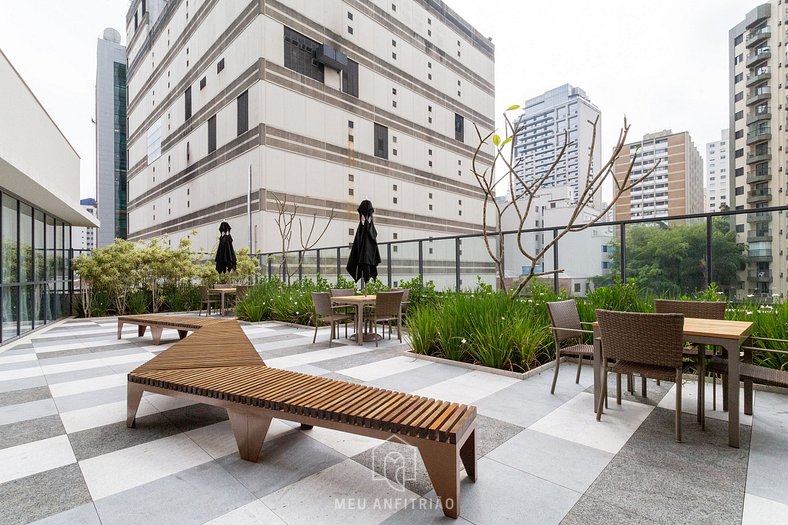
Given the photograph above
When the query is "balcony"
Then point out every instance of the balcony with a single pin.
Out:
(759, 116)
(753, 80)
(761, 94)
(759, 217)
(759, 235)
(759, 195)
(759, 35)
(756, 178)
(761, 255)
(754, 59)
(759, 135)
(761, 276)
(759, 156)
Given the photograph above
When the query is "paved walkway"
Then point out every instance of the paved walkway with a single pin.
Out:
(67, 457)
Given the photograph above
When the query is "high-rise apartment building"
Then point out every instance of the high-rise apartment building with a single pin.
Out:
(543, 123)
(717, 183)
(757, 119)
(84, 237)
(676, 185)
(235, 104)
(111, 165)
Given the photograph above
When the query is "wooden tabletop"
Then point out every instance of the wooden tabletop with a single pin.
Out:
(722, 328)
(354, 298)
(222, 289)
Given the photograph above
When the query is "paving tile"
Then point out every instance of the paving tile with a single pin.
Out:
(492, 433)
(522, 403)
(508, 495)
(16, 397)
(90, 399)
(80, 386)
(343, 494)
(34, 457)
(84, 514)
(343, 442)
(21, 373)
(195, 495)
(30, 430)
(76, 375)
(423, 511)
(762, 511)
(308, 369)
(140, 464)
(93, 362)
(689, 402)
(253, 513)
(101, 415)
(12, 385)
(576, 421)
(467, 388)
(43, 494)
(768, 463)
(318, 355)
(385, 367)
(218, 439)
(104, 439)
(282, 462)
(8, 358)
(399, 463)
(562, 462)
(195, 415)
(591, 510)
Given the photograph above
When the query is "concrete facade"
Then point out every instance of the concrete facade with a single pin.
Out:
(757, 119)
(543, 122)
(717, 184)
(215, 88)
(111, 165)
(675, 187)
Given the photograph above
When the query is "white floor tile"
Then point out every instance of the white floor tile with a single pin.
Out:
(467, 388)
(163, 403)
(21, 373)
(88, 385)
(131, 467)
(253, 513)
(343, 442)
(386, 367)
(689, 402)
(576, 421)
(79, 344)
(762, 511)
(59, 368)
(32, 458)
(318, 355)
(21, 358)
(218, 439)
(101, 415)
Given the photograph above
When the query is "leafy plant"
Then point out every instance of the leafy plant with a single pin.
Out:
(376, 285)
(138, 302)
(422, 325)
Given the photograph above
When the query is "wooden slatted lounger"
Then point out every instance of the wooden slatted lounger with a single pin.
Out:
(157, 323)
(218, 365)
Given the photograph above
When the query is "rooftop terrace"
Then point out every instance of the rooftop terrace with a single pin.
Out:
(66, 455)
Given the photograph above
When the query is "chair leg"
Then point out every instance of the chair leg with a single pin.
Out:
(555, 371)
(643, 385)
(631, 384)
(618, 389)
(314, 338)
(702, 390)
(579, 364)
(375, 325)
(678, 405)
(657, 382)
(603, 397)
(724, 381)
(714, 392)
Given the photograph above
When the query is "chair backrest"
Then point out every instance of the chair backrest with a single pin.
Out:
(696, 309)
(652, 339)
(342, 292)
(240, 291)
(204, 295)
(322, 302)
(563, 314)
(388, 304)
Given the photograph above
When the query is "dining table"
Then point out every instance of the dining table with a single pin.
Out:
(223, 292)
(730, 336)
(359, 302)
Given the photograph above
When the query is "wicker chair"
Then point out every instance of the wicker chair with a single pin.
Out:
(325, 313)
(388, 307)
(697, 310)
(650, 345)
(207, 299)
(566, 328)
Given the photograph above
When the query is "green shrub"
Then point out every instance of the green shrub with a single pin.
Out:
(422, 324)
(138, 302)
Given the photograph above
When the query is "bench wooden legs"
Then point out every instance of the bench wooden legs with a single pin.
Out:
(141, 330)
(120, 328)
(443, 466)
(133, 398)
(155, 332)
(250, 431)
(182, 333)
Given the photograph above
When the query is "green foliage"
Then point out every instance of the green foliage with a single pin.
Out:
(181, 298)
(623, 297)
(422, 323)
(272, 299)
(420, 292)
(138, 302)
(376, 285)
(99, 306)
(344, 282)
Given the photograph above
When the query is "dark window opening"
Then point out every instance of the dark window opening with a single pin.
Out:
(350, 78)
(212, 134)
(203, 81)
(381, 141)
(459, 127)
(187, 97)
(299, 55)
(220, 66)
(243, 112)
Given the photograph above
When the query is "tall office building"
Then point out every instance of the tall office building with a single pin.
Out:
(84, 237)
(717, 185)
(543, 122)
(675, 187)
(111, 137)
(235, 104)
(757, 111)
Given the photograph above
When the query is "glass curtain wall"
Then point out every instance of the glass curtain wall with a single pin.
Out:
(34, 267)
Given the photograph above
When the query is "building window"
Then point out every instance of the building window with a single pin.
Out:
(739, 153)
(212, 134)
(350, 177)
(738, 40)
(220, 66)
(738, 96)
(738, 115)
(203, 81)
(381, 141)
(350, 191)
(154, 141)
(394, 56)
(393, 7)
(349, 15)
(395, 200)
(187, 98)
(459, 127)
(350, 78)
(350, 124)
(349, 30)
(738, 78)
(243, 112)
(299, 52)
(739, 133)
(394, 187)
(350, 231)
(740, 190)
(739, 59)
(739, 228)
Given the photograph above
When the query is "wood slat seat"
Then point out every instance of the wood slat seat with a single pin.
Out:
(218, 365)
(157, 322)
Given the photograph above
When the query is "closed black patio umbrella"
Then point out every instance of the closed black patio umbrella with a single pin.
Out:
(225, 254)
(364, 255)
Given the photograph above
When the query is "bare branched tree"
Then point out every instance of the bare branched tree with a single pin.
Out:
(286, 216)
(524, 191)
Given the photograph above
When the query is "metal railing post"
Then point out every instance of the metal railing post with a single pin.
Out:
(709, 238)
(421, 258)
(300, 265)
(388, 263)
(457, 280)
(556, 287)
(317, 261)
(339, 263)
(623, 254)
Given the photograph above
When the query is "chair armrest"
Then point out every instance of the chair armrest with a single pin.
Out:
(587, 322)
(572, 330)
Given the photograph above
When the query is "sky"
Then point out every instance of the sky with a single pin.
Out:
(662, 64)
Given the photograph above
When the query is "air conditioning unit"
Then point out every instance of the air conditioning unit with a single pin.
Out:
(328, 56)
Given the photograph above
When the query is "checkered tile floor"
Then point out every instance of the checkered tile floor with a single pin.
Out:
(66, 455)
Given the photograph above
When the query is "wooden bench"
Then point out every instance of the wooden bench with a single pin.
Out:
(214, 366)
(159, 322)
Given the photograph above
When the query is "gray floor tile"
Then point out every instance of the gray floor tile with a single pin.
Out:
(17, 397)
(109, 438)
(492, 433)
(22, 384)
(282, 462)
(195, 416)
(359, 359)
(768, 463)
(76, 375)
(423, 511)
(40, 495)
(18, 366)
(400, 463)
(30, 430)
(195, 496)
(82, 515)
(419, 378)
(91, 399)
(523, 403)
(24, 411)
(99, 353)
(591, 510)
(568, 464)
